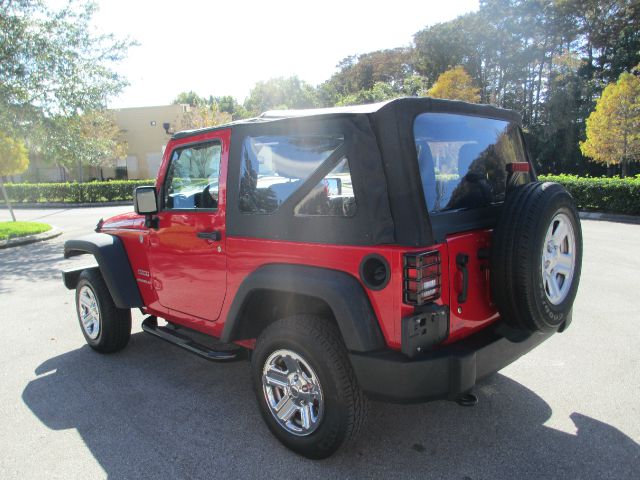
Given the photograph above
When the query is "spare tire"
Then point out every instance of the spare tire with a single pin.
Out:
(536, 257)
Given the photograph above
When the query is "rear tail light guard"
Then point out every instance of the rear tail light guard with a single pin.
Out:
(422, 277)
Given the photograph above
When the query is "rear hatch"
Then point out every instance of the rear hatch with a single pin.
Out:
(464, 164)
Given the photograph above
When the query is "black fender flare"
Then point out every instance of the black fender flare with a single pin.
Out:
(342, 292)
(114, 265)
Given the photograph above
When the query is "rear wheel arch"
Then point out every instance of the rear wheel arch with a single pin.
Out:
(277, 291)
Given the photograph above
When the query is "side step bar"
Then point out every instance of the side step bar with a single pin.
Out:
(150, 325)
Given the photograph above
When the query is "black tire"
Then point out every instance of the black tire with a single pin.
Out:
(114, 323)
(517, 281)
(318, 342)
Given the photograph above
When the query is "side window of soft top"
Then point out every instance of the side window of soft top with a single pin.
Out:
(192, 177)
(332, 196)
(274, 167)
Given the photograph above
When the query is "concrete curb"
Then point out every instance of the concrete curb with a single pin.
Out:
(39, 237)
(119, 203)
(610, 217)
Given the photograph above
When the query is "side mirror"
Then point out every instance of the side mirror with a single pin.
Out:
(145, 200)
(333, 186)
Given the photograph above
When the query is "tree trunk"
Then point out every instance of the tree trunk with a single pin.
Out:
(539, 86)
(6, 198)
(624, 159)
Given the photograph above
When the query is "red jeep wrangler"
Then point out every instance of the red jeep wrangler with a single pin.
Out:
(401, 251)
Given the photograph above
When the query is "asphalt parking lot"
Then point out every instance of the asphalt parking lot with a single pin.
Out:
(569, 409)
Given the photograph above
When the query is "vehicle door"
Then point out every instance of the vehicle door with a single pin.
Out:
(187, 253)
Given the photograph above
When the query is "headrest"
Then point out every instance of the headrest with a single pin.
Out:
(467, 154)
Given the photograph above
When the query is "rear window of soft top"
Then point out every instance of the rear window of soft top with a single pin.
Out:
(463, 159)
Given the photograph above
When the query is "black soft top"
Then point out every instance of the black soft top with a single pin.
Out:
(380, 108)
(382, 156)
(405, 105)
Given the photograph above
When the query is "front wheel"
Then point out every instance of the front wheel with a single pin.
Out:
(305, 387)
(105, 327)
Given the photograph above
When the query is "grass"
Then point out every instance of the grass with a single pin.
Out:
(20, 229)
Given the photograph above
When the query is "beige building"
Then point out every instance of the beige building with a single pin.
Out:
(146, 131)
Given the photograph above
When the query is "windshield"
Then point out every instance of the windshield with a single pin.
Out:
(463, 159)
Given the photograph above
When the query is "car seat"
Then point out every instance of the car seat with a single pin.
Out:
(427, 174)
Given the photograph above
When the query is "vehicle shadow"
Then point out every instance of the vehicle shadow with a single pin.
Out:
(152, 411)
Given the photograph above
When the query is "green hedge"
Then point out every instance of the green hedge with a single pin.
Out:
(89, 192)
(612, 195)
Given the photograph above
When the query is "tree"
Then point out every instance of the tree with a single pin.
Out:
(414, 85)
(553, 140)
(378, 93)
(226, 103)
(91, 139)
(610, 34)
(54, 71)
(51, 63)
(13, 160)
(362, 72)
(455, 84)
(190, 98)
(222, 104)
(441, 47)
(202, 116)
(281, 93)
(613, 128)
(230, 105)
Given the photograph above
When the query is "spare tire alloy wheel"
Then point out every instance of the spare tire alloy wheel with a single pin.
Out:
(292, 392)
(558, 259)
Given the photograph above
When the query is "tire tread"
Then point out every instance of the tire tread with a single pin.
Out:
(116, 322)
(514, 265)
(324, 334)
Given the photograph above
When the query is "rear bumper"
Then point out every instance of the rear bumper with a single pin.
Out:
(444, 373)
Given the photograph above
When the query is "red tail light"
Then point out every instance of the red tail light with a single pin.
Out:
(518, 167)
(421, 277)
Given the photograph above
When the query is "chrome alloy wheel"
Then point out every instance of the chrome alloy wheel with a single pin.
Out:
(558, 258)
(89, 312)
(292, 392)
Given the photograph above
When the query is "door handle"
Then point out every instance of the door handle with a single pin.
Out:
(461, 261)
(213, 236)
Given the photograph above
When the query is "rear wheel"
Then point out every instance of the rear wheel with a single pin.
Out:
(305, 387)
(105, 327)
(536, 257)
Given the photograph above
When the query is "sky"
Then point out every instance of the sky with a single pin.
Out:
(224, 48)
